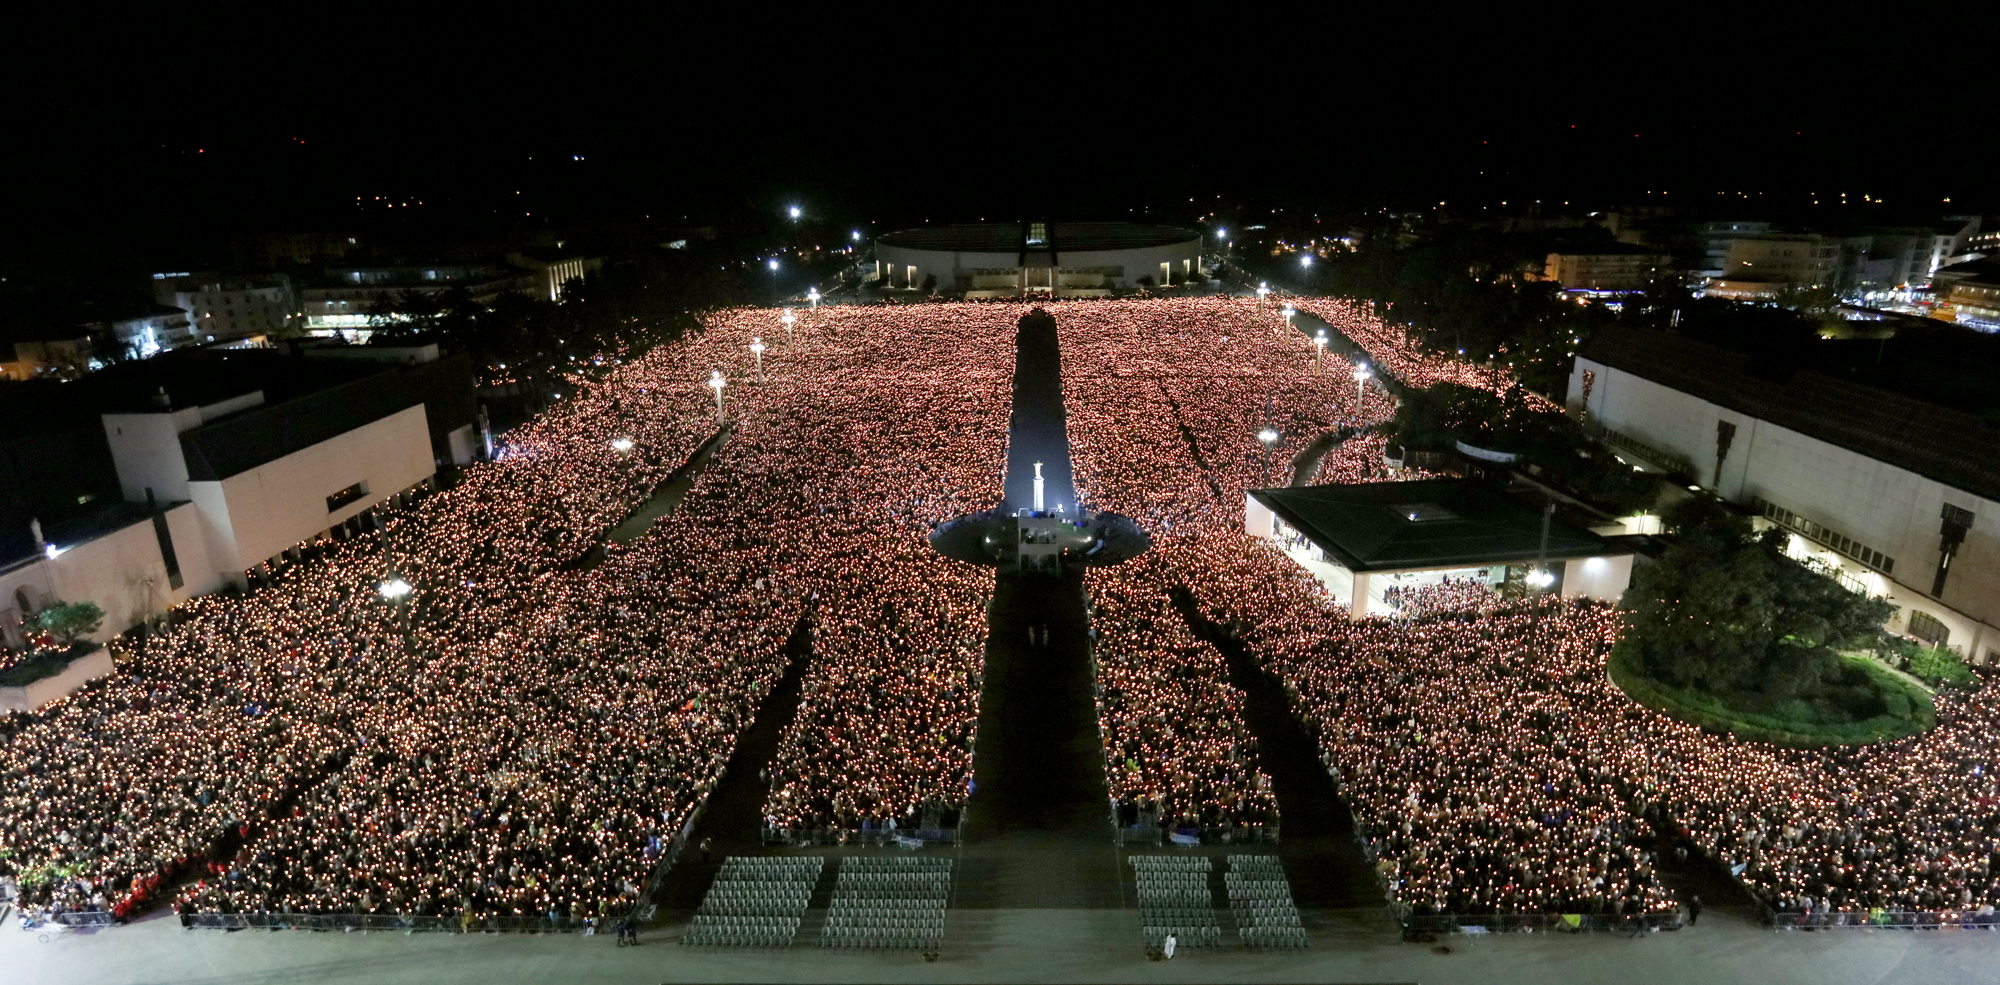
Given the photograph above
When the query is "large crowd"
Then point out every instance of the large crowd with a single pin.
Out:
(528, 730)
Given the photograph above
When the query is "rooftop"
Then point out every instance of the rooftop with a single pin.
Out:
(1432, 523)
(1061, 236)
(1956, 447)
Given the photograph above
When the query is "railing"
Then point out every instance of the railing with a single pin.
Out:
(83, 918)
(1672, 461)
(407, 922)
(1881, 919)
(873, 837)
(1503, 923)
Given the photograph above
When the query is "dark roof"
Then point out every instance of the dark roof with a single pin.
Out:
(248, 439)
(1950, 446)
(1067, 237)
(1369, 526)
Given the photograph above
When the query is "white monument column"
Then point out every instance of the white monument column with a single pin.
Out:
(1358, 607)
(1038, 487)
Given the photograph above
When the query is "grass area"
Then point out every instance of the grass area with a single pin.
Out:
(1814, 720)
(1940, 666)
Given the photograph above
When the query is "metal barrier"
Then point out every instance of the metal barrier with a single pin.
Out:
(1884, 920)
(1503, 923)
(365, 922)
(83, 918)
(873, 838)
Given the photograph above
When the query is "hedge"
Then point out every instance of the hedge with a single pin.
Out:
(1708, 712)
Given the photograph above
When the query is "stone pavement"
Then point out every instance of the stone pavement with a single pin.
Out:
(1005, 946)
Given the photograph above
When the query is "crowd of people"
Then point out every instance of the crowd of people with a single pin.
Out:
(1446, 594)
(528, 730)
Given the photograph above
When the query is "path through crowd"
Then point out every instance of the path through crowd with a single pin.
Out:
(1038, 826)
(1316, 830)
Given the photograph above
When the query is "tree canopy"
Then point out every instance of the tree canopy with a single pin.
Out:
(70, 621)
(1727, 612)
(1444, 413)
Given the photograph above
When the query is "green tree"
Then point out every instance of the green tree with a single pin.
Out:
(1727, 612)
(70, 621)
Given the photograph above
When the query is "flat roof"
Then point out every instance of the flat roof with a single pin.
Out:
(1959, 449)
(1429, 523)
(1064, 237)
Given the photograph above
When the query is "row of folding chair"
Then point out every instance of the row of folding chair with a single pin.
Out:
(1194, 863)
(1273, 936)
(1185, 935)
(880, 938)
(730, 931)
(895, 863)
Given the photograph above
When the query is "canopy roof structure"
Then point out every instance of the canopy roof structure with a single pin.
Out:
(1431, 523)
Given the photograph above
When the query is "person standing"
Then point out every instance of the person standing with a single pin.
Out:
(1694, 909)
(1172, 942)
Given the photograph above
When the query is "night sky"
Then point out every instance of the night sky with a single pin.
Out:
(161, 144)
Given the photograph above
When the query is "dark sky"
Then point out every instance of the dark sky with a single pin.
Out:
(183, 131)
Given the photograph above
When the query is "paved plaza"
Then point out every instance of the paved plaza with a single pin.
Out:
(1005, 946)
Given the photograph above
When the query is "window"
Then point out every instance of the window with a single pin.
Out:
(346, 496)
(1926, 627)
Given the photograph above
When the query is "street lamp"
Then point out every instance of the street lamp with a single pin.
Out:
(774, 277)
(1269, 439)
(757, 349)
(1262, 289)
(812, 294)
(788, 318)
(1319, 348)
(1306, 261)
(795, 213)
(1361, 375)
(1288, 311)
(716, 382)
(621, 445)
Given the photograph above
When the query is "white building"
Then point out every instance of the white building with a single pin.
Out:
(1075, 259)
(229, 309)
(264, 482)
(1368, 542)
(1897, 497)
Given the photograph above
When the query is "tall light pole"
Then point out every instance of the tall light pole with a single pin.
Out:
(1319, 348)
(788, 318)
(1361, 375)
(812, 294)
(716, 382)
(1288, 312)
(774, 279)
(1262, 290)
(757, 349)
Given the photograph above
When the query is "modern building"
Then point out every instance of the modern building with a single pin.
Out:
(1892, 495)
(277, 251)
(1364, 540)
(1070, 259)
(1717, 238)
(554, 268)
(337, 303)
(229, 309)
(59, 358)
(1606, 270)
(1970, 293)
(223, 460)
(1805, 260)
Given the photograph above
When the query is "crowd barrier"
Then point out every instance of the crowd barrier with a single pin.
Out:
(872, 838)
(84, 918)
(1885, 920)
(1508, 923)
(408, 923)
(1153, 834)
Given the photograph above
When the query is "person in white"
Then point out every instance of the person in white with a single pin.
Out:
(1172, 942)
